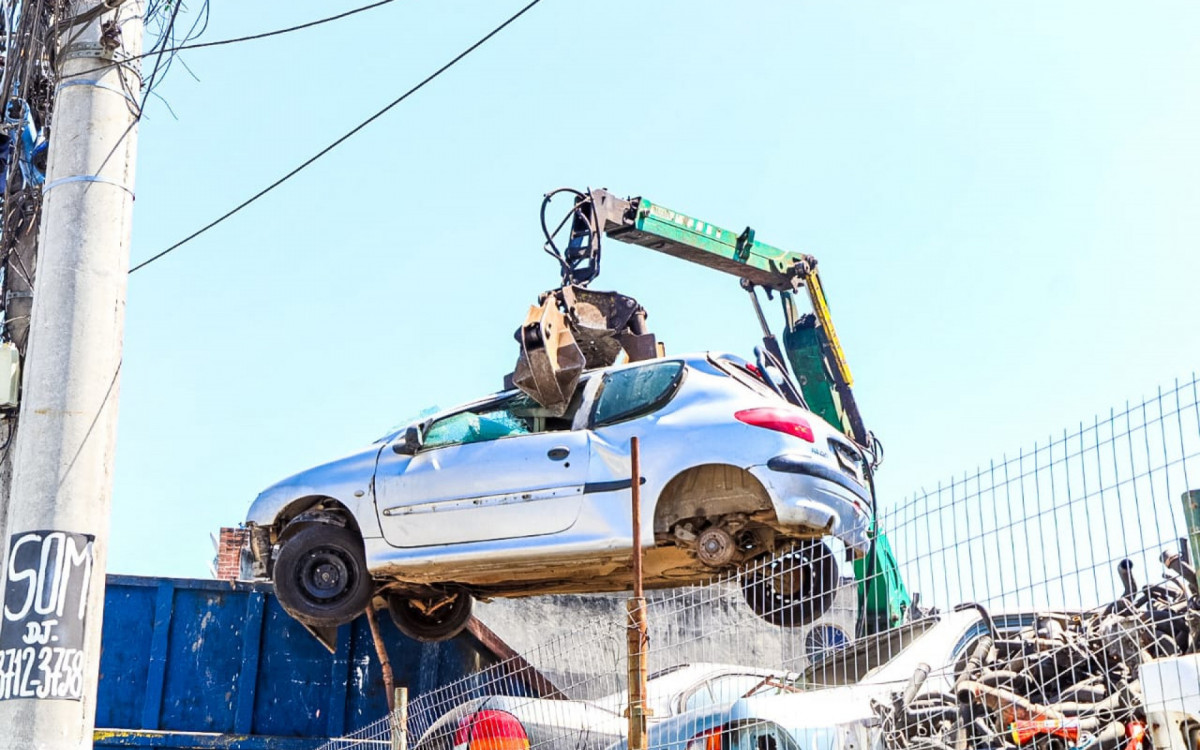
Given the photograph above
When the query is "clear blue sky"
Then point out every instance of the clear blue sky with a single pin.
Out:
(1003, 197)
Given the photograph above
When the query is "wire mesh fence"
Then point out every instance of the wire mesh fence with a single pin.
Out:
(1045, 599)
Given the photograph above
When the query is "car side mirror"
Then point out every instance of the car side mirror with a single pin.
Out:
(408, 444)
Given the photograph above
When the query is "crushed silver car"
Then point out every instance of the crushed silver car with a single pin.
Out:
(500, 498)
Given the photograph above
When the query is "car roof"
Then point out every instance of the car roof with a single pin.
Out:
(694, 358)
(669, 683)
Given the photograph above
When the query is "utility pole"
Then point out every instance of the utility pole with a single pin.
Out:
(58, 522)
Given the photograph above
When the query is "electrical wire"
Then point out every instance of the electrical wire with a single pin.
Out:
(342, 139)
(237, 40)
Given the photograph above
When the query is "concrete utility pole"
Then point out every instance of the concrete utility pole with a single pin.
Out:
(58, 521)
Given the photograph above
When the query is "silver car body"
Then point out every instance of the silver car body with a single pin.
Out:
(583, 725)
(517, 510)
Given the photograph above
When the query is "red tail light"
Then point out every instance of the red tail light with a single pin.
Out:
(490, 730)
(713, 739)
(782, 420)
(1136, 732)
(1024, 730)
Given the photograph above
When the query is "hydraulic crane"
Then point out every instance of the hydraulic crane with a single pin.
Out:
(574, 328)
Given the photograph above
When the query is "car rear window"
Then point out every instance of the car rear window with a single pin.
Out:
(634, 391)
(741, 374)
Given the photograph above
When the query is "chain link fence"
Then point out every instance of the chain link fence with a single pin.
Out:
(1047, 599)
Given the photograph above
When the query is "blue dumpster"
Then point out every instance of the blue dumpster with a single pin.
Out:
(217, 664)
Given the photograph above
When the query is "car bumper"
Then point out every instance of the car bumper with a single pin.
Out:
(813, 495)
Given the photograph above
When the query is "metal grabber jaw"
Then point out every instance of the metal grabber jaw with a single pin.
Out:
(550, 362)
(574, 329)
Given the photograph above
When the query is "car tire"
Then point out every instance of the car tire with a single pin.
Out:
(440, 625)
(793, 588)
(321, 576)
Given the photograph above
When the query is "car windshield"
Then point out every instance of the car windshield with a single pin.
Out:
(857, 661)
(503, 415)
(508, 416)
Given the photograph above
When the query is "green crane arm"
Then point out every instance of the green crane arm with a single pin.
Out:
(810, 342)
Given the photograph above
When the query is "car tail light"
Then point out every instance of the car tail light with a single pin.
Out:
(782, 420)
(490, 730)
(712, 739)
(1025, 730)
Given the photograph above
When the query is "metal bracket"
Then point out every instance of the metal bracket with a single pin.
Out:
(97, 84)
(745, 241)
(86, 178)
(85, 49)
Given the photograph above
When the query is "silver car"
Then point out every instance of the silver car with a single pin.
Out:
(561, 724)
(500, 498)
(830, 706)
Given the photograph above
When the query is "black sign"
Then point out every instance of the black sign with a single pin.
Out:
(45, 606)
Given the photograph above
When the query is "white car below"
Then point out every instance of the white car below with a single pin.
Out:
(520, 722)
(829, 707)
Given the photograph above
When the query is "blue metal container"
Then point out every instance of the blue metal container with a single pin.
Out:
(215, 664)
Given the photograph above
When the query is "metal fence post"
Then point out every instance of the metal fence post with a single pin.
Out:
(637, 632)
(400, 719)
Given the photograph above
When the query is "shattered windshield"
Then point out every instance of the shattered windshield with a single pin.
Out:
(490, 421)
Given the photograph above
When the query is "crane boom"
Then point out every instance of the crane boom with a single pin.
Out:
(811, 344)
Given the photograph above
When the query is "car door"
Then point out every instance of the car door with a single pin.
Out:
(490, 472)
(625, 403)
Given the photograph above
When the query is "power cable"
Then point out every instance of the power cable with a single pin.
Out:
(237, 40)
(277, 32)
(158, 50)
(337, 142)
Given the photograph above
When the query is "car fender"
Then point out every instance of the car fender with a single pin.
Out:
(679, 445)
(348, 480)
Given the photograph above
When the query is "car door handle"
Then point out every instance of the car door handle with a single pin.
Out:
(558, 453)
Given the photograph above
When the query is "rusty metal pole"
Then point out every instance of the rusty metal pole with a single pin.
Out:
(637, 632)
(385, 665)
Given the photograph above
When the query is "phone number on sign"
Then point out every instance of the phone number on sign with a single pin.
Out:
(45, 672)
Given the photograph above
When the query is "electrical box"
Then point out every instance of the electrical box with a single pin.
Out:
(10, 371)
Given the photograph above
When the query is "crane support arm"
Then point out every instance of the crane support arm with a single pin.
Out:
(640, 222)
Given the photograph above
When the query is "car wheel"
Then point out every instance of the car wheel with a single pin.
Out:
(431, 620)
(793, 588)
(321, 576)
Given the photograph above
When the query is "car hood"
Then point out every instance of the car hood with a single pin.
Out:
(339, 479)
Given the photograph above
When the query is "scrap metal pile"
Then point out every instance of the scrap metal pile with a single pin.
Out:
(1068, 681)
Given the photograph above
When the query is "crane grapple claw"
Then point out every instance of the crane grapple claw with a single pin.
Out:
(573, 329)
(550, 362)
(605, 324)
